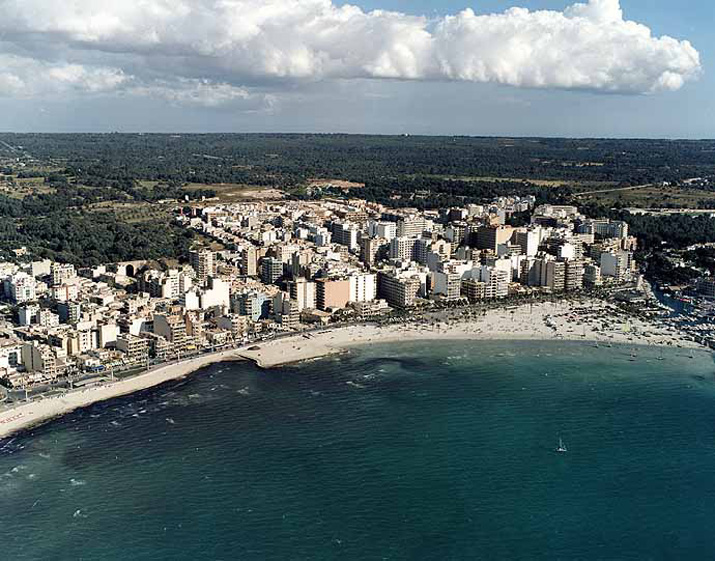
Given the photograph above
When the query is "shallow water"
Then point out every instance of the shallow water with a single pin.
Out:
(404, 452)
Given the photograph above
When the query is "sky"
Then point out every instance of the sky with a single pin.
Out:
(599, 68)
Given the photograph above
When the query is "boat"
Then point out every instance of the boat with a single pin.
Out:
(562, 447)
(633, 356)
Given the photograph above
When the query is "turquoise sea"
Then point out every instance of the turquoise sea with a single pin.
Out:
(409, 452)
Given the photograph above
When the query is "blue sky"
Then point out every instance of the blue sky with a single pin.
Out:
(107, 79)
(688, 113)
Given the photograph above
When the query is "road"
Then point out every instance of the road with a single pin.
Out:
(11, 148)
(614, 190)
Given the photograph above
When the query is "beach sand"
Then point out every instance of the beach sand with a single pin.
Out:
(544, 321)
(591, 321)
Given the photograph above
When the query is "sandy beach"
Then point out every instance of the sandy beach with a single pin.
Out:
(592, 321)
(540, 322)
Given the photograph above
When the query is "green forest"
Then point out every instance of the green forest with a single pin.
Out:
(287, 160)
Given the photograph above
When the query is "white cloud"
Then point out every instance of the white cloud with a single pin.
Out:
(202, 93)
(589, 46)
(210, 52)
(24, 77)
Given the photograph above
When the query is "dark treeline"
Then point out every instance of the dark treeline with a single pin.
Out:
(287, 160)
(659, 233)
(74, 196)
(674, 230)
(431, 192)
(92, 239)
(661, 269)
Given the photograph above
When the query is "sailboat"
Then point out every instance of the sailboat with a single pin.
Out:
(660, 356)
(562, 447)
(633, 355)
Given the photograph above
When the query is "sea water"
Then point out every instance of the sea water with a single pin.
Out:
(402, 452)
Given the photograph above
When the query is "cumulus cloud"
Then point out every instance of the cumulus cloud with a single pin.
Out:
(211, 52)
(589, 46)
(24, 77)
(202, 93)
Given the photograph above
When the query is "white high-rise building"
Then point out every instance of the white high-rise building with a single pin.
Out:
(217, 294)
(303, 292)
(411, 226)
(190, 300)
(22, 288)
(363, 287)
(106, 333)
(347, 235)
(529, 241)
(63, 273)
(616, 265)
(27, 314)
(567, 251)
(10, 354)
(46, 318)
(203, 263)
(496, 281)
(402, 248)
(387, 230)
(447, 284)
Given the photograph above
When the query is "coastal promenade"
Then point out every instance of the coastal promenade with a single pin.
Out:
(593, 321)
(40, 409)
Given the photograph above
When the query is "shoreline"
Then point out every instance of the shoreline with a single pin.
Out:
(539, 322)
(27, 415)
